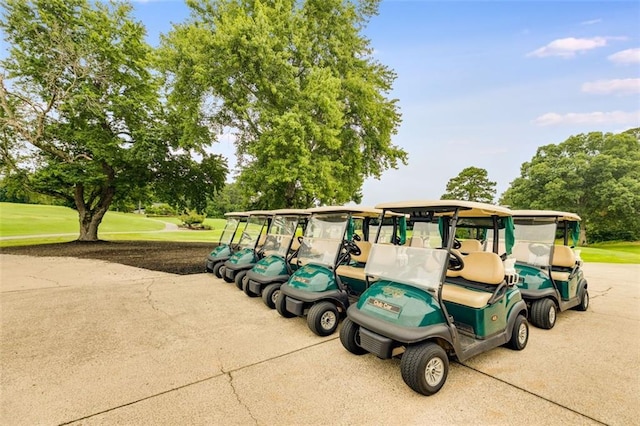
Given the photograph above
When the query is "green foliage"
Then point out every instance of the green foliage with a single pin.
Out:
(471, 184)
(192, 219)
(160, 210)
(81, 93)
(296, 82)
(228, 199)
(595, 175)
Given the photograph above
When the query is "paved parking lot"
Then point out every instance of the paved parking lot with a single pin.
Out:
(88, 342)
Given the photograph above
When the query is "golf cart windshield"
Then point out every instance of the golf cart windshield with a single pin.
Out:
(281, 232)
(534, 241)
(229, 230)
(426, 234)
(323, 239)
(416, 266)
(252, 231)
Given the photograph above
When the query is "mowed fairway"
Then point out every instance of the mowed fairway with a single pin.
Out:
(59, 224)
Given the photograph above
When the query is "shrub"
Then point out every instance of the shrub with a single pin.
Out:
(160, 210)
(192, 220)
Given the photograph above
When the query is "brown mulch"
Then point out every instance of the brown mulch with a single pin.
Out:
(181, 258)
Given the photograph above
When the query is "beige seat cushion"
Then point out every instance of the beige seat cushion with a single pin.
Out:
(563, 256)
(560, 276)
(295, 244)
(469, 246)
(483, 267)
(465, 296)
(351, 272)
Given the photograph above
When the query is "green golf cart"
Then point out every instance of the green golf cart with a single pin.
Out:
(551, 278)
(331, 266)
(251, 241)
(226, 246)
(280, 247)
(430, 302)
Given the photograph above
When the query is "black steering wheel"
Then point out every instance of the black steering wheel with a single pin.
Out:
(357, 237)
(456, 244)
(455, 262)
(300, 237)
(352, 248)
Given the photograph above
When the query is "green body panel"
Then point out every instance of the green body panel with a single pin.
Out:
(271, 266)
(221, 251)
(401, 304)
(535, 279)
(243, 257)
(489, 320)
(313, 278)
(356, 286)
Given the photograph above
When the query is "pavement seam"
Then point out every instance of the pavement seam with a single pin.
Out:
(532, 393)
(222, 373)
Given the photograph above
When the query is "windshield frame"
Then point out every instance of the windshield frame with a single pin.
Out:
(230, 228)
(330, 246)
(252, 231)
(279, 243)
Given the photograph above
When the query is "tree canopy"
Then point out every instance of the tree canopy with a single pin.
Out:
(596, 175)
(297, 84)
(471, 184)
(82, 111)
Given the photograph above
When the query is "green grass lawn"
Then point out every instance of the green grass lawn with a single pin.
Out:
(612, 252)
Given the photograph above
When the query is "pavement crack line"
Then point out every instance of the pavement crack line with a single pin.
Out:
(602, 293)
(532, 394)
(235, 393)
(222, 373)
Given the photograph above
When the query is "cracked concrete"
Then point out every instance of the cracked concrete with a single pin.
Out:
(128, 346)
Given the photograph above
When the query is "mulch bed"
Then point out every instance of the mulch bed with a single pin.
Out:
(181, 258)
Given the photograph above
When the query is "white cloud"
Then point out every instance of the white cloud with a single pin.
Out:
(625, 86)
(629, 56)
(568, 47)
(591, 22)
(593, 118)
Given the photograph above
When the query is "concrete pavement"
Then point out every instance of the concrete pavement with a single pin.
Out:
(89, 342)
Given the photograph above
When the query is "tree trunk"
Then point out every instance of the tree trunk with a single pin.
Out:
(90, 218)
(583, 236)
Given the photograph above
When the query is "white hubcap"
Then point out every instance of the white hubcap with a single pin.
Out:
(522, 333)
(434, 371)
(328, 320)
(552, 315)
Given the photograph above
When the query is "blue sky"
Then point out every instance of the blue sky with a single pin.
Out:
(484, 83)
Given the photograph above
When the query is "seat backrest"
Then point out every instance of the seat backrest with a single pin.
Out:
(469, 246)
(262, 240)
(365, 249)
(295, 244)
(563, 256)
(483, 267)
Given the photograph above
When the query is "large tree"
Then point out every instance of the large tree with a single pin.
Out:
(298, 85)
(471, 184)
(82, 109)
(595, 175)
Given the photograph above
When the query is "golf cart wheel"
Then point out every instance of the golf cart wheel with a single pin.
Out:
(239, 277)
(246, 289)
(216, 269)
(425, 367)
(543, 313)
(281, 306)
(323, 318)
(350, 337)
(223, 270)
(584, 301)
(519, 334)
(270, 294)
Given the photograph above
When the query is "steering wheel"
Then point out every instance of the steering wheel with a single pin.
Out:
(538, 249)
(357, 237)
(455, 262)
(300, 237)
(352, 248)
(456, 244)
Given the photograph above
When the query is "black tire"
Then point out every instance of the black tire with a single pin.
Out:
(350, 336)
(519, 334)
(425, 367)
(246, 289)
(281, 306)
(223, 270)
(584, 301)
(270, 294)
(216, 269)
(238, 279)
(323, 318)
(544, 313)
